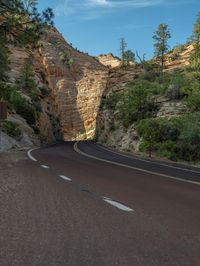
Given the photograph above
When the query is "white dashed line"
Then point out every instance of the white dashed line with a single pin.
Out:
(65, 178)
(30, 156)
(118, 205)
(44, 166)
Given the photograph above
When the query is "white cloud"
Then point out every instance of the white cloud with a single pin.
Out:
(122, 4)
(98, 2)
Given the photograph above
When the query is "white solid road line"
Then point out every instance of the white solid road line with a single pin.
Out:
(148, 161)
(134, 168)
(65, 178)
(30, 156)
(45, 166)
(118, 205)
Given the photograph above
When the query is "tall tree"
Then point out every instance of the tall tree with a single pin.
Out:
(20, 24)
(122, 49)
(20, 21)
(195, 56)
(161, 37)
(129, 56)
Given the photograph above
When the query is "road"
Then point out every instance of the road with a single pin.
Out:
(80, 204)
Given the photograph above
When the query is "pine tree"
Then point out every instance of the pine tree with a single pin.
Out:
(20, 21)
(122, 49)
(195, 56)
(129, 56)
(20, 24)
(161, 38)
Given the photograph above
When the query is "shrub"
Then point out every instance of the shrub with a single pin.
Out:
(111, 101)
(23, 107)
(174, 92)
(11, 129)
(176, 138)
(136, 104)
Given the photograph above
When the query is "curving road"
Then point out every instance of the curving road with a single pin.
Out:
(81, 204)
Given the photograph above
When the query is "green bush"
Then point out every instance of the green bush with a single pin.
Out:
(111, 101)
(136, 104)
(11, 129)
(23, 107)
(5, 91)
(26, 81)
(177, 138)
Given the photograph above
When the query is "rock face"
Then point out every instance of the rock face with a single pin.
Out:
(74, 83)
(109, 131)
(179, 59)
(27, 140)
(77, 82)
(109, 60)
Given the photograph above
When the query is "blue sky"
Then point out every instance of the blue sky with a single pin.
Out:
(96, 26)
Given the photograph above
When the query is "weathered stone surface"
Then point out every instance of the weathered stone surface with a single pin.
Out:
(109, 60)
(76, 87)
(181, 61)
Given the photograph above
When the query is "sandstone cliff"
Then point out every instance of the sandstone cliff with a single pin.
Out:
(76, 82)
(109, 60)
(110, 132)
(73, 82)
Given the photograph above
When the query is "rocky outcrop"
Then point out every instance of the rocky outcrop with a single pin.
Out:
(177, 59)
(73, 83)
(17, 59)
(109, 60)
(77, 82)
(26, 140)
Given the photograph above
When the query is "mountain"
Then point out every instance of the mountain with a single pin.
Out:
(72, 88)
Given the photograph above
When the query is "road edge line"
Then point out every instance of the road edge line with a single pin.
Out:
(31, 156)
(148, 161)
(76, 149)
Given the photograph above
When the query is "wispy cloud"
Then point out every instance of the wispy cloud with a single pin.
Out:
(91, 9)
(125, 3)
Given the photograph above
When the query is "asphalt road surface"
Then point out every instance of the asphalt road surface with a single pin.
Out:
(80, 204)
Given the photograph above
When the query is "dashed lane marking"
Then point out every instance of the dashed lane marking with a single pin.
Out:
(134, 168)
(44, 166)
(65, 178)
(117, 205)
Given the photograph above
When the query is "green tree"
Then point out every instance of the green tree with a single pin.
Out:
(20, 24)
(4, 52)
(195, 56)
(129, 56)
(20, 21)
(26, 81)
(122, 49)
(161, 38)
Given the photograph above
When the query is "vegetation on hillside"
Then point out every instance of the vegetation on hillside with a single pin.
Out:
(21, 25)
(176, 138)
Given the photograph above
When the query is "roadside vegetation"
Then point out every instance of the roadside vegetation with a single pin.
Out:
(176, 138)
(21, 25)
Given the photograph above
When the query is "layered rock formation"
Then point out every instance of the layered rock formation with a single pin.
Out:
(109, 60)
(77, 82)
(178, 59)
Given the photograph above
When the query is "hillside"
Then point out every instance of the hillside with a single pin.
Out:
(138, 103)
(69, 89)
(80, 98)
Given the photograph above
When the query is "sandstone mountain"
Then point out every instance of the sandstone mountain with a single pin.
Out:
(75, 84)
(109, 131)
